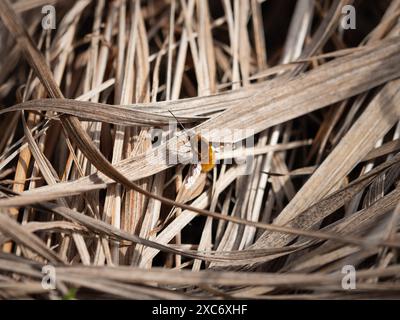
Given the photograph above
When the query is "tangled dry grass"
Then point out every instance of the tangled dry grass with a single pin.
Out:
(85, 186)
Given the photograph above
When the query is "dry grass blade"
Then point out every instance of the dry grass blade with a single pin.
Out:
(121, 115)
(292, 111)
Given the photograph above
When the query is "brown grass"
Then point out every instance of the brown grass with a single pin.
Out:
(83, 188)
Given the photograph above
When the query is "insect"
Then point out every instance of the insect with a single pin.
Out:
(205, 152)
(202, 149)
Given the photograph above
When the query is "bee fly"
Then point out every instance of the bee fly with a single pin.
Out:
(201, 148)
